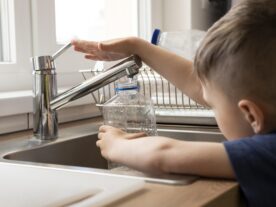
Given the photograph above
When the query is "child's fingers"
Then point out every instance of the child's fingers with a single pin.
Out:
(90, 56)
(93, 57)
(85, 46)
(98, 143)
(100, 135)
(136, 135)
(105, 128)
(107, 46)
(102, 129)
(104, 57)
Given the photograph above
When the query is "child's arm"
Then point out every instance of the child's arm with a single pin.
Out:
(164, 155)
(176, 69)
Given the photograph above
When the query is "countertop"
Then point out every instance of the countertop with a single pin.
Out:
(203, 192)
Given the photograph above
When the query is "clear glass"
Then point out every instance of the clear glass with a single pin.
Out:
(1, 29)
(95, 19)
(5, 30)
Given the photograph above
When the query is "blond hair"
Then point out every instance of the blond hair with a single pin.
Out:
(238, 53)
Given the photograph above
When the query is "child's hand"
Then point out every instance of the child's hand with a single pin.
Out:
(107, 50)
(110, 139)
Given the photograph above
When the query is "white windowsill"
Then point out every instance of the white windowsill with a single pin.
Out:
(21, 122)
(16, 111)
(20, 102)
(17, 102)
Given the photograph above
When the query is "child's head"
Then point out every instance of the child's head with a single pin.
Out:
(238, 59)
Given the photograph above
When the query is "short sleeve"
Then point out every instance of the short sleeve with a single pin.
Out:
(254, 162)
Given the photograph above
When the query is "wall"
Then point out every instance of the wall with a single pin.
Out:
(176, 14)
(192, 14)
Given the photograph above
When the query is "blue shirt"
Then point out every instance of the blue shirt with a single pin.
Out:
(254, 162)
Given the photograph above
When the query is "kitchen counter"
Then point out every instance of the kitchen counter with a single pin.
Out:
(203, 192)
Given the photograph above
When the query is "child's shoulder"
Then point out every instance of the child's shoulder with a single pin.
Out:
(262, 140)
(257, 142)
(254, 162)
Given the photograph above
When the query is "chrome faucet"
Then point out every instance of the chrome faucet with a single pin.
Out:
(46, 100)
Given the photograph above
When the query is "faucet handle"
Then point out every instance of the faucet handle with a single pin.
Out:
(61, 50)
(47, 62)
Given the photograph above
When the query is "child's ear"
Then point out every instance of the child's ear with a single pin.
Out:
(253, 115)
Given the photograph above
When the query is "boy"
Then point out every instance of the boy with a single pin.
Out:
(234, 73)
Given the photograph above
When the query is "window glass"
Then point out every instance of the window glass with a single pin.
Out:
(1, 44)
(5, 33)
(95, 19)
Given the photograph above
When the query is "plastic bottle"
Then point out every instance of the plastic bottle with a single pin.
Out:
(183, 43)
(130, 111)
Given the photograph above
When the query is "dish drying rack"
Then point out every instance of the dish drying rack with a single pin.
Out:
(171, 105)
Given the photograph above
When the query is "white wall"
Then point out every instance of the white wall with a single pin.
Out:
(176, 14)
(187, 14)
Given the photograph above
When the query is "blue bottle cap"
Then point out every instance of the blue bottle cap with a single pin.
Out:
(127, 86)
(155, 36)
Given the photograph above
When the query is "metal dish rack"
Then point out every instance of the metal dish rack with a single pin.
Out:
(171, 105)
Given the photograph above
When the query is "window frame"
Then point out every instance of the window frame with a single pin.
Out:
(6, 22)
(16, 73)
(150, 17)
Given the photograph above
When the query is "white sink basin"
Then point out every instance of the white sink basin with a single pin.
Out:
(25, 185)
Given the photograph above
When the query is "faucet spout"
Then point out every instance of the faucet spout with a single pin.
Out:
(128, 67)
(46, 100)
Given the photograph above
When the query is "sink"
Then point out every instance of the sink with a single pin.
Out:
(81, 152)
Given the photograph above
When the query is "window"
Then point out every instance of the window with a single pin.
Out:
(6, 32)
(1, 30)
(15, 73)
(95, 19)
(87, 19)
(38, 27)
